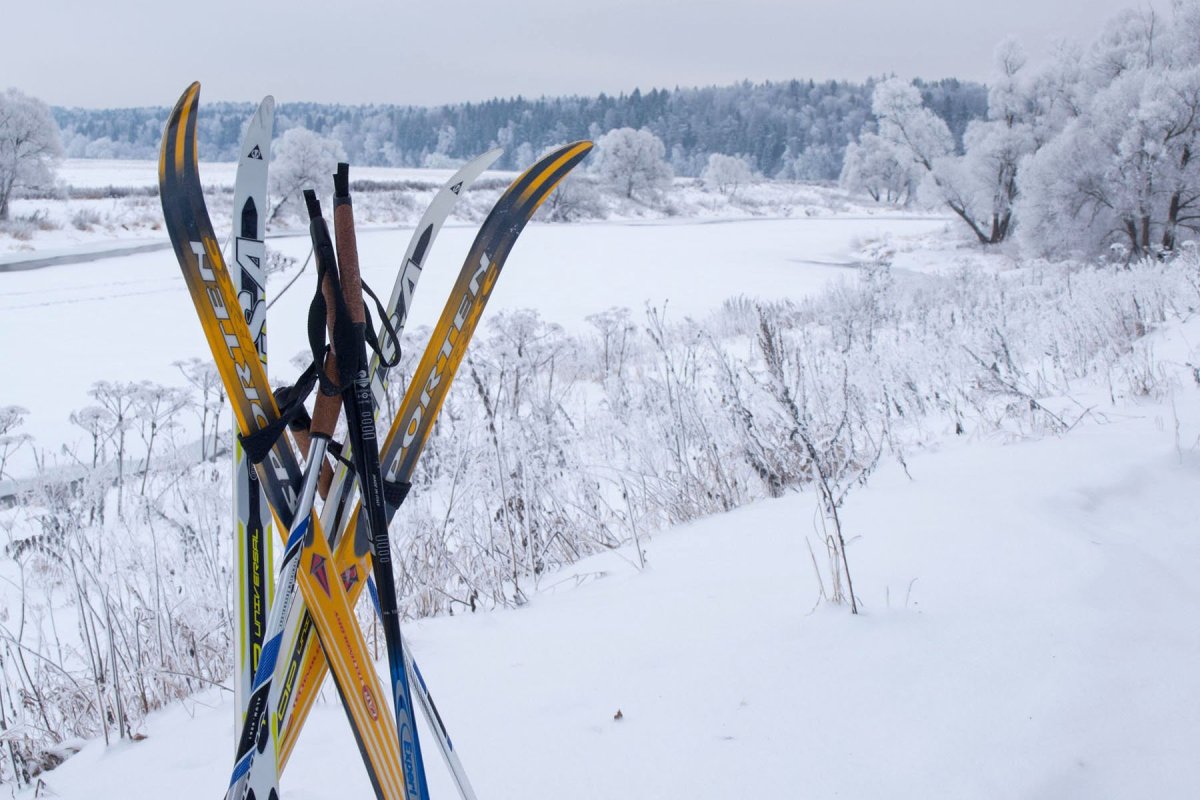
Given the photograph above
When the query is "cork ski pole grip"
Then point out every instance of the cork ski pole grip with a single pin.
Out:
(327, 406)
(347, 244)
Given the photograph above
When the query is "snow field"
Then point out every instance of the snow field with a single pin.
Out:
(1029, 605)
(1028, 632)
(130, 318)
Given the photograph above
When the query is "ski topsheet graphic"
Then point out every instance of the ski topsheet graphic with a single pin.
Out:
(253, 556)
(426, 392)
(245, 381)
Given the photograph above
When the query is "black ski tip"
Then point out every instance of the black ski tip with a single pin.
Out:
(341, 181)
(314, 205)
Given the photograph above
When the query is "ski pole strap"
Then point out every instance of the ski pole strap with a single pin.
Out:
(334, 450)
(394, 493)
(388, 328)
(292, 414)
(341, 338)
(301, 421)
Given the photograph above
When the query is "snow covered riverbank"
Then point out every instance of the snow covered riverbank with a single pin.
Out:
(1029, 631)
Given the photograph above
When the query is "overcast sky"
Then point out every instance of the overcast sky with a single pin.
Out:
(121, 52)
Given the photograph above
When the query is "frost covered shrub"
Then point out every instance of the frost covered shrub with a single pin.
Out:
(20, 229)
(725, 174)
(85, 218)
(552, 446)
(576, 198)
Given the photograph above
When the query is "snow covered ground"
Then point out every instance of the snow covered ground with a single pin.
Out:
(130, 318)
(102, 203)
(1029, 625)
(1029, 632)
(100, 173)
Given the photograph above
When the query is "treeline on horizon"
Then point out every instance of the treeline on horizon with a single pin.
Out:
(792, 129)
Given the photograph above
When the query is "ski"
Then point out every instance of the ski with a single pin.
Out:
(242, 373)
(253, 556)
(426, 392)
(255, 772)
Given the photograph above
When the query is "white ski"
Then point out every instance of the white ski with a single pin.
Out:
(253, 565)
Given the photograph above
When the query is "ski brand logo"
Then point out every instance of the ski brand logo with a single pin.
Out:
(456, 188)
(451, 351)
(318, 571)
(255, 154)
(408, 286)
(410, 767)
(257, 627)
(369, 702)
(249, 255)
(290, 680)
(239, 361)
(350, 576)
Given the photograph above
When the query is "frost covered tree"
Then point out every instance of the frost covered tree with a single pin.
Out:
(632, 161)
(1123, 171)
(29, 145)
(726, 173)
(875, 166)
(980, 186)
(302, 160)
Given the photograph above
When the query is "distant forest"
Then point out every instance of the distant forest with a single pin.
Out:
(794, 129)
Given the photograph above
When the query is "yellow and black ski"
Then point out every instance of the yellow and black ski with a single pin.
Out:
(245, 381)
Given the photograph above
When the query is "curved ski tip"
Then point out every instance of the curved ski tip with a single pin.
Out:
(491, 156)
(188, 97)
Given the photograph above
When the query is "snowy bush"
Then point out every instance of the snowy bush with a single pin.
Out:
(550, 446)
(725, 174)
(85, 219)
(576, 198)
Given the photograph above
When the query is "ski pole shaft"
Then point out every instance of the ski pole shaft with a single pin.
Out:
(360, 422)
